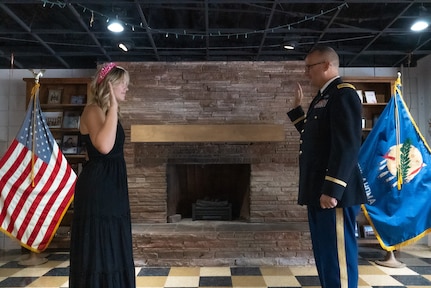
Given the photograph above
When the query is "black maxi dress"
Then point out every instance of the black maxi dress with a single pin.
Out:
(101, 254)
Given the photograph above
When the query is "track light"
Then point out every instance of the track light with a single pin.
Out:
(419, 25)
(290, 45)
(422, 22)
(125, 45)
(290, 41)
(115, 26)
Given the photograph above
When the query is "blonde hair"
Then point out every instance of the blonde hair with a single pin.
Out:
(99, 89)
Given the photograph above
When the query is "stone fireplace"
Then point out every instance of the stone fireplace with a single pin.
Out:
(259, 178)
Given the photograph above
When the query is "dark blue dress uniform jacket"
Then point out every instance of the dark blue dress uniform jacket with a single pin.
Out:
(329, 146)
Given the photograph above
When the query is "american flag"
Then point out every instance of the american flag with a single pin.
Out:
(36, 183)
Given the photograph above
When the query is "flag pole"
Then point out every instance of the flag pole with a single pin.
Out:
(34, 258)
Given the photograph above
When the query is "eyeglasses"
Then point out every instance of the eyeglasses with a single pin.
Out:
(307, 67)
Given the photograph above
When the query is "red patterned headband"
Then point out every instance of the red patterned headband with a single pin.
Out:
(105, 70)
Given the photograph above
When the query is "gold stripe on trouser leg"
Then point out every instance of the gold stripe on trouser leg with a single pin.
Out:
(341, 247)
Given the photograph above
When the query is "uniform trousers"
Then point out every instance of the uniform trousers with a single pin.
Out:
(334, 245)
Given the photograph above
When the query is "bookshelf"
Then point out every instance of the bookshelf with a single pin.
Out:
(382, 88)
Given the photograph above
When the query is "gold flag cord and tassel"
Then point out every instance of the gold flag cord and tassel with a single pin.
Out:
(34, 95)
(397, 93)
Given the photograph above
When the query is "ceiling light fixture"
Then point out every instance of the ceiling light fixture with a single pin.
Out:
(125, 45)
(422, 22)
(115, 26)
(290, 45)
(419, 25)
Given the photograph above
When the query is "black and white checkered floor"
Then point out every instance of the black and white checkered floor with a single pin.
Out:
(54, 273)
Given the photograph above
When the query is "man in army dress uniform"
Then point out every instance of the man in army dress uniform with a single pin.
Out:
(330, 181)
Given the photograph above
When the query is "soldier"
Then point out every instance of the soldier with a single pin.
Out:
(330, 181)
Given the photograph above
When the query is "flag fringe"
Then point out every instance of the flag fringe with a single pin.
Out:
(36, 250)
(397, 246)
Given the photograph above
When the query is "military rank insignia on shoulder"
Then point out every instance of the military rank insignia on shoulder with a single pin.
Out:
(345, 85)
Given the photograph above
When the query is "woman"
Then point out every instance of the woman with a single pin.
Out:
(101, 242)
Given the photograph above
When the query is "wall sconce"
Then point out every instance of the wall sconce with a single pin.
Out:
(422, 22)
(115, 26)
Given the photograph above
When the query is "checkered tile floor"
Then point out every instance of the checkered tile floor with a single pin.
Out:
(54, 273)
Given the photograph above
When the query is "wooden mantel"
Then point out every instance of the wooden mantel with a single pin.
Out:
(208, 133)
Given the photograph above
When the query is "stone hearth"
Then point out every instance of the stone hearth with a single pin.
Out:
(221, 243)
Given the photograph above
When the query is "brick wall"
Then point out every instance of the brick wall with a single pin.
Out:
(215, 93)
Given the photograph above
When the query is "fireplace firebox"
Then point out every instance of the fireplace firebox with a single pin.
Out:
(223, 188)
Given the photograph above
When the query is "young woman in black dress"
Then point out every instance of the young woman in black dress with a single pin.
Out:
(101, 252)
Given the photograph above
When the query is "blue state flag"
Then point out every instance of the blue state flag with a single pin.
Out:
(395, 161)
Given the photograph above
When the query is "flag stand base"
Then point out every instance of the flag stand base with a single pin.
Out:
(33, 260)
(390, 261)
